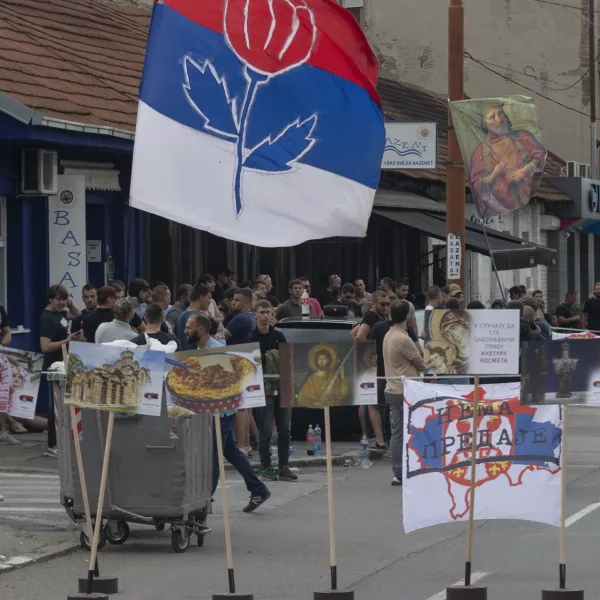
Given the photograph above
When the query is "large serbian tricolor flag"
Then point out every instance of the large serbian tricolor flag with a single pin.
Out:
(259, 120)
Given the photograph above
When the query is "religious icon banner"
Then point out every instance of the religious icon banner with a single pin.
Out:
(561, 372)
(328, 374)
(473, 342)
(518, 461)
(20, 374)
(216, 379)
(127, 380)
(500, 142)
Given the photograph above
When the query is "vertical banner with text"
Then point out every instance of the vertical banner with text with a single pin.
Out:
(66, 234)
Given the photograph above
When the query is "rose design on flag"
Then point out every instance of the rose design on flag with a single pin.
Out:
(270, 37)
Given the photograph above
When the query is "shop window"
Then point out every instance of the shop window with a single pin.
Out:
(3, 283)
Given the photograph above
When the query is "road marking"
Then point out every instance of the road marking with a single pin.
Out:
(27, 509)
(475, 577)
(29, 500)
(27, 476)
(582, 513)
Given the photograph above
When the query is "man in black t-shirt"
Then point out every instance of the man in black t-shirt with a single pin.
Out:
(566, 313)
(53, 336)
(103, 314)
(154, 318)
(269, 339)
(347, 299)
(591, 311)
(89, 295)
(379, 311)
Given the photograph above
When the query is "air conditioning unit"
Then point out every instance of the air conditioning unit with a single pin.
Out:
(585, 171)
(572, 168)
(39, 172)
(352, 3)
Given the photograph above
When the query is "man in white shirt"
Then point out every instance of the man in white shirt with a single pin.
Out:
(119, 328)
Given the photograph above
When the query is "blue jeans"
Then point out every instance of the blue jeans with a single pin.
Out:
(236, 457)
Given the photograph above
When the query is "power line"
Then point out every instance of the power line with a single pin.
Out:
(467, 55)
(562, 4)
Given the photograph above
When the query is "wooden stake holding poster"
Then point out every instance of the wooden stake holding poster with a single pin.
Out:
(137, 376)
(185, 395)
(89, 531)
(472, 485)
(323, 375)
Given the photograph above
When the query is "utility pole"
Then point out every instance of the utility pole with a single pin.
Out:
(592, 44)
(455, 172)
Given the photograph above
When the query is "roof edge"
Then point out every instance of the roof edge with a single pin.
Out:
(75, 126)
(15, 109)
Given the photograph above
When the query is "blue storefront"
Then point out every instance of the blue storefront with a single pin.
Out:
(36, 154)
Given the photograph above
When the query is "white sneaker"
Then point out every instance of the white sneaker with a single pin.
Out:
(6, 438)
(396, 481)
(1, 498)
(51, 452)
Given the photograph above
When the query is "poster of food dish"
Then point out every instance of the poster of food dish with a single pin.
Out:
(20, 373)
(127, 380)
(328, 374)
(214, 380)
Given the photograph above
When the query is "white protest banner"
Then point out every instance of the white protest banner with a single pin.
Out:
(20, 373)
(66, 235)
(473, 342)
(518, 455)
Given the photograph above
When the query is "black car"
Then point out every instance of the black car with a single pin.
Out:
(344, 419)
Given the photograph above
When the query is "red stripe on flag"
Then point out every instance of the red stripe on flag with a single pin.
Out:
(340, 47)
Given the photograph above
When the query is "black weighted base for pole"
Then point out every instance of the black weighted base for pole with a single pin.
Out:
(562, 594)
(84, 596)
(100, 585)
(466, 592)
(233, 597)
(334, 595)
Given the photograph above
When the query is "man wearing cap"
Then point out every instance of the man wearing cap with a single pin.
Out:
(455, 291)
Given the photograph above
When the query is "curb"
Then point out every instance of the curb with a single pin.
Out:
(318, 461)
(49, 553)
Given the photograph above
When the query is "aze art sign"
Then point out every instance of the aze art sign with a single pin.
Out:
(410, 146)
(518, 455)
(66, 234)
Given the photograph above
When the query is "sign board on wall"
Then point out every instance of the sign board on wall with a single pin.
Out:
(66, 234)
(410, 145)
(453, 257)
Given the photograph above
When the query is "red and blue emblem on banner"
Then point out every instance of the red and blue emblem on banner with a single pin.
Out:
(259, 114)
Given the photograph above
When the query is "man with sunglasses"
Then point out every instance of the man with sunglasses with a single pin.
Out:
(379, 311)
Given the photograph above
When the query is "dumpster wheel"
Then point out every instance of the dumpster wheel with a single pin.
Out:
(120, 536)
(86, 544)
(180, 541)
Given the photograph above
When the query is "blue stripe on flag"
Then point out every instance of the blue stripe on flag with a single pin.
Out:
(348, 130)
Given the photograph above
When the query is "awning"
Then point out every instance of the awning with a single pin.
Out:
(509, 252)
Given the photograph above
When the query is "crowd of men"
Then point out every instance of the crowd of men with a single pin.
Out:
(215, 312)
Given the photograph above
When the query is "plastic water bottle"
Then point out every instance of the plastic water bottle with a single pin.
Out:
(317, 444)
(365, 463)
(364, 446)
(305, 304)
(310, 441)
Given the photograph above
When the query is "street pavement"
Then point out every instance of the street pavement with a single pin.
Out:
(281, 552)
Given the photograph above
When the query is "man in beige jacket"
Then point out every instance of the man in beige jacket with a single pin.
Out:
(401, 358)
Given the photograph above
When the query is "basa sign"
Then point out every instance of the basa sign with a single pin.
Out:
(410, 146)
(66, 234)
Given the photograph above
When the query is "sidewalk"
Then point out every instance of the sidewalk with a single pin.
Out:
(29, 456)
